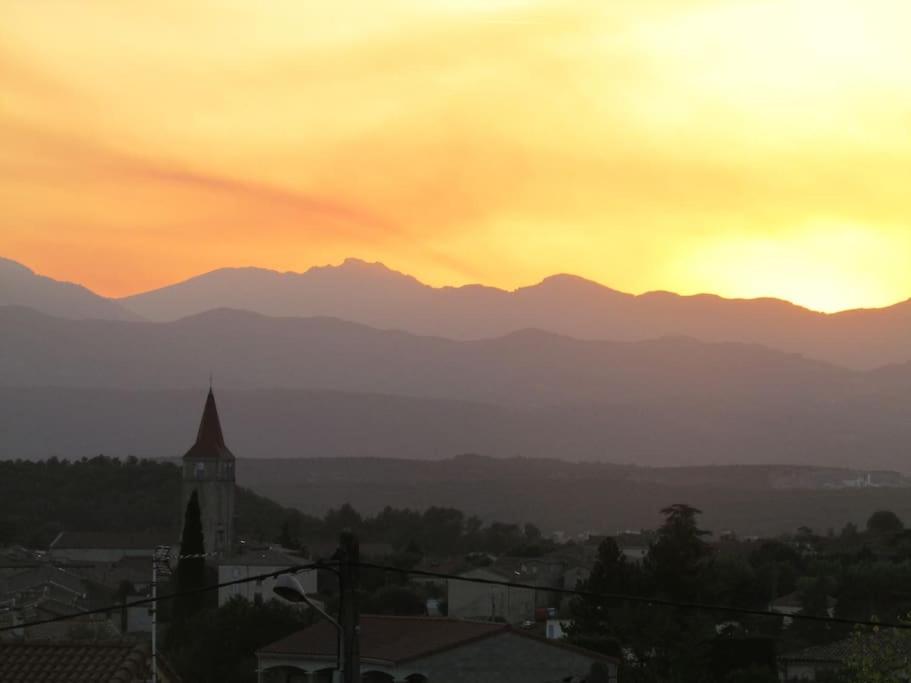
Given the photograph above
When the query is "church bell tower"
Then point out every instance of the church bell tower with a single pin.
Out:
(208, 469)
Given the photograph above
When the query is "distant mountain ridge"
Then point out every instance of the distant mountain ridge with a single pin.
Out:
(311, 387)
(20, 286)
(374, 295)
(523, 368)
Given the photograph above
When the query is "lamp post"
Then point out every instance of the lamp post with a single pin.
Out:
(348, 656)
(289, 588)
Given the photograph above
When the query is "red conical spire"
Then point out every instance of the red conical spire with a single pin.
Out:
(210, 442)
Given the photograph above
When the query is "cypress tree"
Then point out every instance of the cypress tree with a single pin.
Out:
(191, 571)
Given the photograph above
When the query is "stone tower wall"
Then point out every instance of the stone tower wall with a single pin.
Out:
(214, 482)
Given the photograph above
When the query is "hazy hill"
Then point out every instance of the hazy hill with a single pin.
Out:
(527, 368)
(19, 286)
(377, 296)
(571, 497)
(294, 387)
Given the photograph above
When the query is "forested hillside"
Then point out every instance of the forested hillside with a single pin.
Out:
(40, 499)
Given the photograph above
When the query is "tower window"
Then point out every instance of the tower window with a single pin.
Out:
(200, 470)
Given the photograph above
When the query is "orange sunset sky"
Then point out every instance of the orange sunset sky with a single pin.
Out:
(739, 147)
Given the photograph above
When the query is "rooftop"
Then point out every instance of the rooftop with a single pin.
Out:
(210, 442)
(386, 638)
(73, 662)
(397, 640)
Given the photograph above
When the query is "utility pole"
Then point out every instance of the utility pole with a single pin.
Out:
(349, 557)
(160, 567)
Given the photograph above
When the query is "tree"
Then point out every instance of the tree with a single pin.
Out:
(663, 643)
(814, 601)
(398, 600)
(879, 655)
(884, 522)
(191, 568)
(678, 556)
(345, 517)
(289, 537)
(532, 532)
(225, 640)
(442, 528)
(611, 574)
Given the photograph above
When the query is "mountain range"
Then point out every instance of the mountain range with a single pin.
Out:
(308, 387)
(374, 295)
(20, 286)
(81, 374)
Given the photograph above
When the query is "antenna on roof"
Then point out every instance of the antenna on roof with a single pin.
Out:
(211, 376)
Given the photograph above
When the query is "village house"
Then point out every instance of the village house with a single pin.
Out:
(792, 604)
(468, 600)
(254, 562)
(515, 605)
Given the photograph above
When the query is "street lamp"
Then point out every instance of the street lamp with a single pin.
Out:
(287, 587)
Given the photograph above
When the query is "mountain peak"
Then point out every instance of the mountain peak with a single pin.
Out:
(565, 283)
(359, 263)
(359, 269)
(356, 265)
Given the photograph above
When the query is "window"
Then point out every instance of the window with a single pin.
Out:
(200, 470)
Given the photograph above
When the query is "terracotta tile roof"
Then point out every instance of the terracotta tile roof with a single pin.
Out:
(403, 639)
(210, 442)
(388, 639)
(73, 662)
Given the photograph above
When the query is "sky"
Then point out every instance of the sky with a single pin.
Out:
(746, 148)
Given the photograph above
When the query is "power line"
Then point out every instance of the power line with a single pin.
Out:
(170, 596)
(699, 606)
(621, 597)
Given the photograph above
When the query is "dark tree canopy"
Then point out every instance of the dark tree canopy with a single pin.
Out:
(678, 555)
(191, 568)
(884, 522)
(224, 640)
